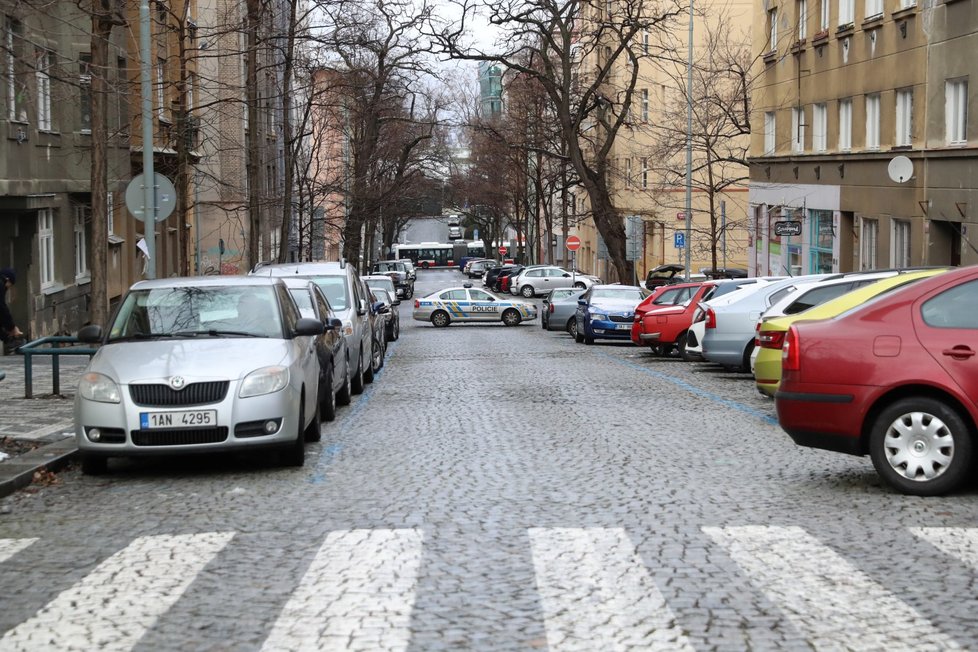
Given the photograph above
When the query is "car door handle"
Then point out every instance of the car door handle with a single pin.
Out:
(960, 351)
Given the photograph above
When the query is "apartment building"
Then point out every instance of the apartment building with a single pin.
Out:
(864, 142)
(45, 164)
(648, 161)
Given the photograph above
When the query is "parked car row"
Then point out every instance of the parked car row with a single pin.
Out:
(211, 364)
(880, 363)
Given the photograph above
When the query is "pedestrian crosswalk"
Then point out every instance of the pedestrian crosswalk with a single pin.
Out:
(597, 589)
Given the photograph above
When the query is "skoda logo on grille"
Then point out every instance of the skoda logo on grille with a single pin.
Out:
(177, 382)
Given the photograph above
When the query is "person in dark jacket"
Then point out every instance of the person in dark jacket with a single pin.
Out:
(8, 329)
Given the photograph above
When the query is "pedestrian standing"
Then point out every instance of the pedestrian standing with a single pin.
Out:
(9, 332)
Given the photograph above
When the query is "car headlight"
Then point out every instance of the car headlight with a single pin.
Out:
(599, 316)
(264, 381)
(99, 387)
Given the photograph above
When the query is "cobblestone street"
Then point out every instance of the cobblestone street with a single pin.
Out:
(496, 489)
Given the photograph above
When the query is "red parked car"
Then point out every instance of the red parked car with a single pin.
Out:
(662, 317)
(896, 378)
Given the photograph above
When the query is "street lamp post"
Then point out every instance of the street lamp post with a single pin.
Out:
(689, 146)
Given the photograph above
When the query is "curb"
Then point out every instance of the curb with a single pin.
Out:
(18, 472)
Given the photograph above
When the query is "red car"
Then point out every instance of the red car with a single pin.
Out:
(896, 378)
(662, 317)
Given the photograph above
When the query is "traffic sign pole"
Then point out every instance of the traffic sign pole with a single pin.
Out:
(149, 191)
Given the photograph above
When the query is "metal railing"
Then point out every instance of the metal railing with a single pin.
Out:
(37, 347)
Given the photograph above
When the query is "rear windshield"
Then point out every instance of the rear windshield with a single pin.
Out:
(619, 293)
(334, 287)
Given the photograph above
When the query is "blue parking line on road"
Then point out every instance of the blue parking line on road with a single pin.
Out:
(740, 407)
(332, 451)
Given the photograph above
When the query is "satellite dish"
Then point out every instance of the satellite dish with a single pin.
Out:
(900, 169)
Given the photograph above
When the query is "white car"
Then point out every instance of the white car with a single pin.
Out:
(467, 303)
(537, 281)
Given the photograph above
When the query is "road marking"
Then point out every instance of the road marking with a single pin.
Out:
(960, 542)
(358, 594)
(597, 594)
(831, 602)
(10, 547)
(114, 605)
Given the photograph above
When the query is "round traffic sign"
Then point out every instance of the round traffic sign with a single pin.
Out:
(166, 197)
(502, 251)
(573, 243)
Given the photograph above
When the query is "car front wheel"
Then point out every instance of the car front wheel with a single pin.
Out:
(511, 317)
(580, 286)
(357, 382)
(527, 291)
(921, 446)
(440, 319)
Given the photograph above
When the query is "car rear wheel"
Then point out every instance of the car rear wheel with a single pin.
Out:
(395, 330)
(357, 382)
(921, 446)
(94, 464)
(424, 265)
(343, 396)
(578, 335)
(571, 327)
(527, 291)
(745, 361)
(440, 319)
(512, 317)
(681, 345)
(368, 373)
(327, 406)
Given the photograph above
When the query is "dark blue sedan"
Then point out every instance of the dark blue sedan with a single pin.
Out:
(607, 312)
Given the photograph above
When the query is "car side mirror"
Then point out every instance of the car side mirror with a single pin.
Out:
(581, 302)
(566, 275)
(381, 308)
(91, 334)
(333, 324)
(397, 302)
(308, 326)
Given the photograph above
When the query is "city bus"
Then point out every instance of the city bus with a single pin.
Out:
(439, 254)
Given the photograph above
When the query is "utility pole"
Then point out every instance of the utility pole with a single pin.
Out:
(149, 175)
(689, 147)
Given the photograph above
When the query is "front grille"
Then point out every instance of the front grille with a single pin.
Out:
(182, 437)
(622, 318)
(165, 396)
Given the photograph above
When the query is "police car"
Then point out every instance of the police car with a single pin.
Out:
(467, 303)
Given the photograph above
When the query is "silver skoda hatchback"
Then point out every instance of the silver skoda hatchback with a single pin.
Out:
(200, 365)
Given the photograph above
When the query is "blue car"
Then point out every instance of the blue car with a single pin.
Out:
(607, 312)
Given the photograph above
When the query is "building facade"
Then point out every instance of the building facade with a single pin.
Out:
(864, 141)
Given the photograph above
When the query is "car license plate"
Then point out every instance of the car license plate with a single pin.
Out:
(624, 327)
(181, 419)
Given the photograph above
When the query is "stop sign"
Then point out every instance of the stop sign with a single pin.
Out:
(573, 243)
(502, 251)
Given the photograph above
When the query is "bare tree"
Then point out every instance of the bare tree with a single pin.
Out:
(585, 56)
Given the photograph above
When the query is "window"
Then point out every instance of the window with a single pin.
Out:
(900, 247)
(868, 243)
(645, 105)
(769, 133)
(802, 9)
(191, 82)
(874, 8)
(822, 240)
(798, 129)
(907, 3)
(122, 93)
(16, 92)
(952, 308)
(645, 42)
(628, 172)
(645, 173)
(956, 111)
(820, 127)
(845, 125)
(110, 214)
(45, 241)
(847, 11)
(772, 25)
(823, 20)
(873, 121)
(44, 59)
(904, 118)
(85, 93)
(81, 242)
(160, 95)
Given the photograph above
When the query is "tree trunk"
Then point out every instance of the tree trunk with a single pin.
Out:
(253, 155)
(101, 32)
(289, 153)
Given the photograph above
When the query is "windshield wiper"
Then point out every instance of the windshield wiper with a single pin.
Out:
(215, 333)
(138, 337)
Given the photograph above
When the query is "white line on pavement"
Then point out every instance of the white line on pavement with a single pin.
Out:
(960, 542)
(831, 602)
(10, 547)
(597, 594)
(357, 594)
(114, 605)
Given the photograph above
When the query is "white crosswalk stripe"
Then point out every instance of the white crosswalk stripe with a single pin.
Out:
(357, 594)
(829, 601)
(10, 547)
(960, 542)
(597, 594)
(115, 604)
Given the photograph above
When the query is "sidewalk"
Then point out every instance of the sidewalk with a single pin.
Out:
(45, 420)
